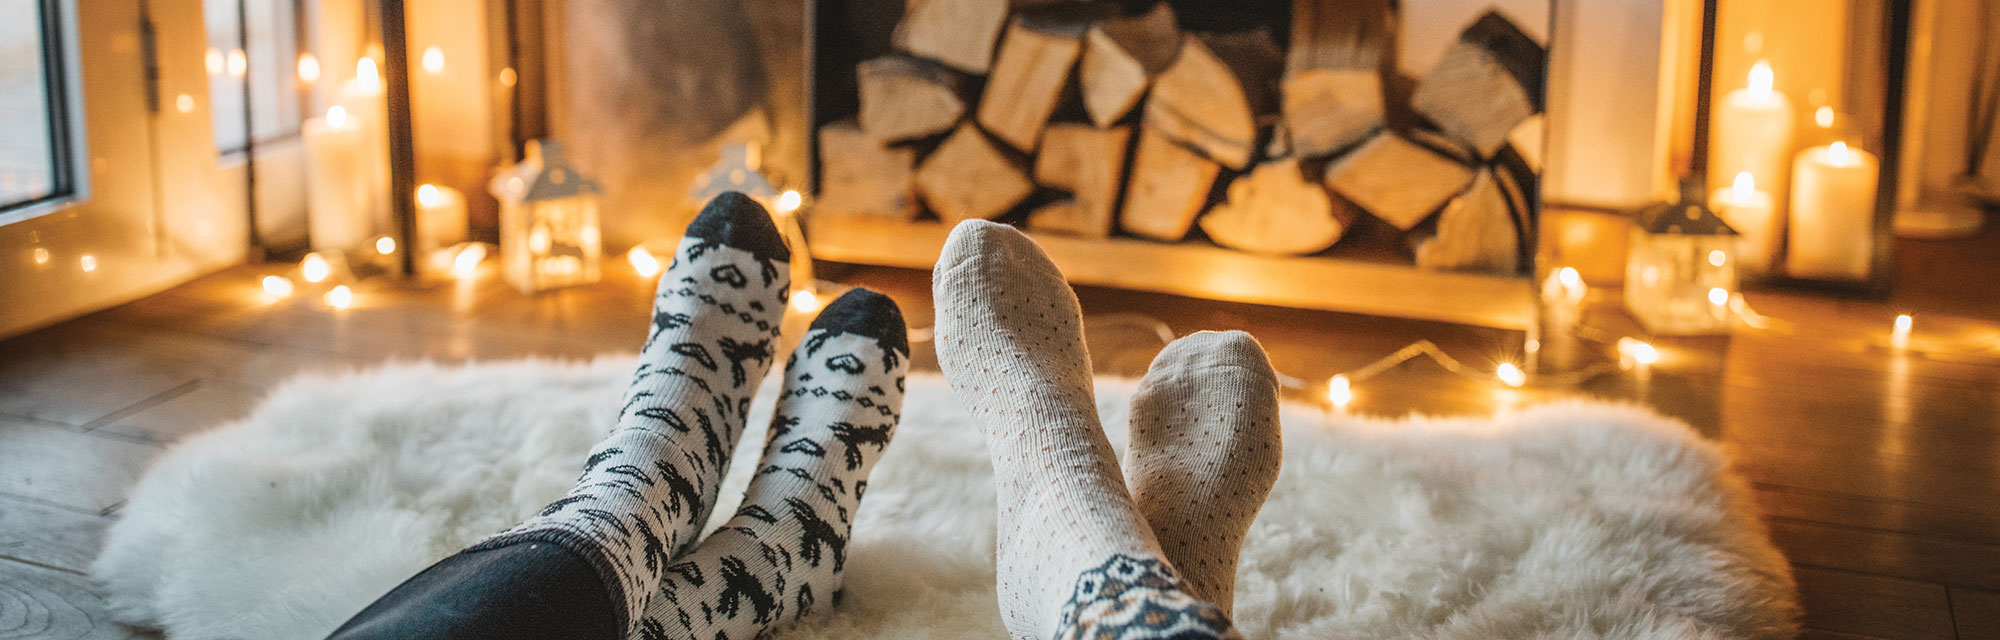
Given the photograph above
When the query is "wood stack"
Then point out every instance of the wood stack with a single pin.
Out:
(1078, 119)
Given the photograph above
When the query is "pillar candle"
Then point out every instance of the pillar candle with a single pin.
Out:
(337, 210)
(1833, 213)
(366, 101)
(440, 217)
(1752, 212)
(1753, 133)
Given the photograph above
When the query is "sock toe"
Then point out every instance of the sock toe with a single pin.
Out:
(866, 313)
(738, 221)
(1206, 350)
(992, 243)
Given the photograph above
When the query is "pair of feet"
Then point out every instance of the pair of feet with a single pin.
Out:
(1086, 551)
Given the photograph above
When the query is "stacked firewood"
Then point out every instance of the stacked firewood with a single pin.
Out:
(1095, 124)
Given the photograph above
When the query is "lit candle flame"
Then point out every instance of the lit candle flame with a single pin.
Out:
(314, 268)
(339, 297)
(1836, 154)
(429, 196)
(1340, 391)
(308, 68)
(367, 75)
(1899, 335)
(278, 286)
(433, 60)
(643, 261)
(1510, 375)
(336, 116)
(1744, 188)
(1761, 80)
(1823, 116)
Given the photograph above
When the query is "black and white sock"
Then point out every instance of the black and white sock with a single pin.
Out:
(781, 556)
(648, 488)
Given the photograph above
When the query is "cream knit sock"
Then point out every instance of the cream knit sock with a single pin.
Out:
(1075, 557)
(1204, 453)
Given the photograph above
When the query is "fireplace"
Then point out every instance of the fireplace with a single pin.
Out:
(1367, 156)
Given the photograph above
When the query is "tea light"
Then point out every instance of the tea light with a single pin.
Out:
(1752, 212)
(441, 220)
(1832, 229)
(1753, 134)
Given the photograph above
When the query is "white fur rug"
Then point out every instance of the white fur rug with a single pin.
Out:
(1563, 521)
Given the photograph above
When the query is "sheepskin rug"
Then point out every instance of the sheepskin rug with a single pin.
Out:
(1561, 521)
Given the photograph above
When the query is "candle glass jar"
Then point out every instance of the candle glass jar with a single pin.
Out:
(1680, 274)
(549, 234)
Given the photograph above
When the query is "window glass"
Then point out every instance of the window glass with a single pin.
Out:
(253, 41)
(28, 167)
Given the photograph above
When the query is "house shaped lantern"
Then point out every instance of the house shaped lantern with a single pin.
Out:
(549, 234)
(1680, 275)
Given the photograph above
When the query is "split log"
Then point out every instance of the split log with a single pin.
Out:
(1475, 232)
(1274, 210)
(1333, 73)
(1066, 217)
(1202, 102)
(968, 177)
(1120, 58)
(1441, 143)
(1027, 80)
(903, 98)
(958, 33)
(1088, 162)
(1167, 188)
(862, 176)
(1485, 84)
(1396, 180)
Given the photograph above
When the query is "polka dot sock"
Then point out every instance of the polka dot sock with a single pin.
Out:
(647, 489)
(1204, 453)
(1075, 558)
(781, 556)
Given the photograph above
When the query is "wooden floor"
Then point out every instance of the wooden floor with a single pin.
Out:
(1878, 469)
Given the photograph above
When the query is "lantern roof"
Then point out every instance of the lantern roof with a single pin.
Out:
(551, 177)
(736, 170)
(1690, 217)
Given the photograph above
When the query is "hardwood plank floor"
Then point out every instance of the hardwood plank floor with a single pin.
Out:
(1878, 469)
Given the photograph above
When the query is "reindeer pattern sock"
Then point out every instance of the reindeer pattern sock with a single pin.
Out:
(781, 556)
(647, 489)
(1204, 453)
(1075, 557)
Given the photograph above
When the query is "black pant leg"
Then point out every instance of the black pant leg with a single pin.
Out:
(526, 590)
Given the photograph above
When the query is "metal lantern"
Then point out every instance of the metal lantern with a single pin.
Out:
(1680, 275)
(549, 234)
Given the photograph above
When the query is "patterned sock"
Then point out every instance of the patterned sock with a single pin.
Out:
(1075, 557)
(780, 557)
(1204, 453)
(647, 489)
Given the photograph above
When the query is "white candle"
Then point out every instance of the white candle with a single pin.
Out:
(366, 101)
(337, 211)
(1753, 133)
(440, 217)
(1753, 213)
(1833, 213)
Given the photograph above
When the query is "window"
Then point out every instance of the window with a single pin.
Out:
(254, 42)
(34, 163)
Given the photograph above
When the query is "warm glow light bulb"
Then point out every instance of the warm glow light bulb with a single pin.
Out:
(643, 261)
(339, 297)
(88, 263)
(1638, 351)
(1570, 278)
(1510, 375)
(1717, 257)
(184, 103)
(278, 286)
(1823, 116)
(1718, 296)
(429, 196)
(789, 201)
(41, 255)
(212, 60)
(366, 74)
(1761, 80)
(1836, 154)
(433, 60)
(336, 116)
(308, 68)
(239, 64)
(1339, 391)
(314, 268)
(385, 245)
(1899, 335)
(466, 263)
(805, 301)
(1744, 187)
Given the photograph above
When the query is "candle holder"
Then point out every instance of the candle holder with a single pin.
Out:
(1799, 130)
(549, 234)
(1681, 272)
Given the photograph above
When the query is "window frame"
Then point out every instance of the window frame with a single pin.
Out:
(62, 95)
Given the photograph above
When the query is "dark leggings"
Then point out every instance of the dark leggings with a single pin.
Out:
(525, 590)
